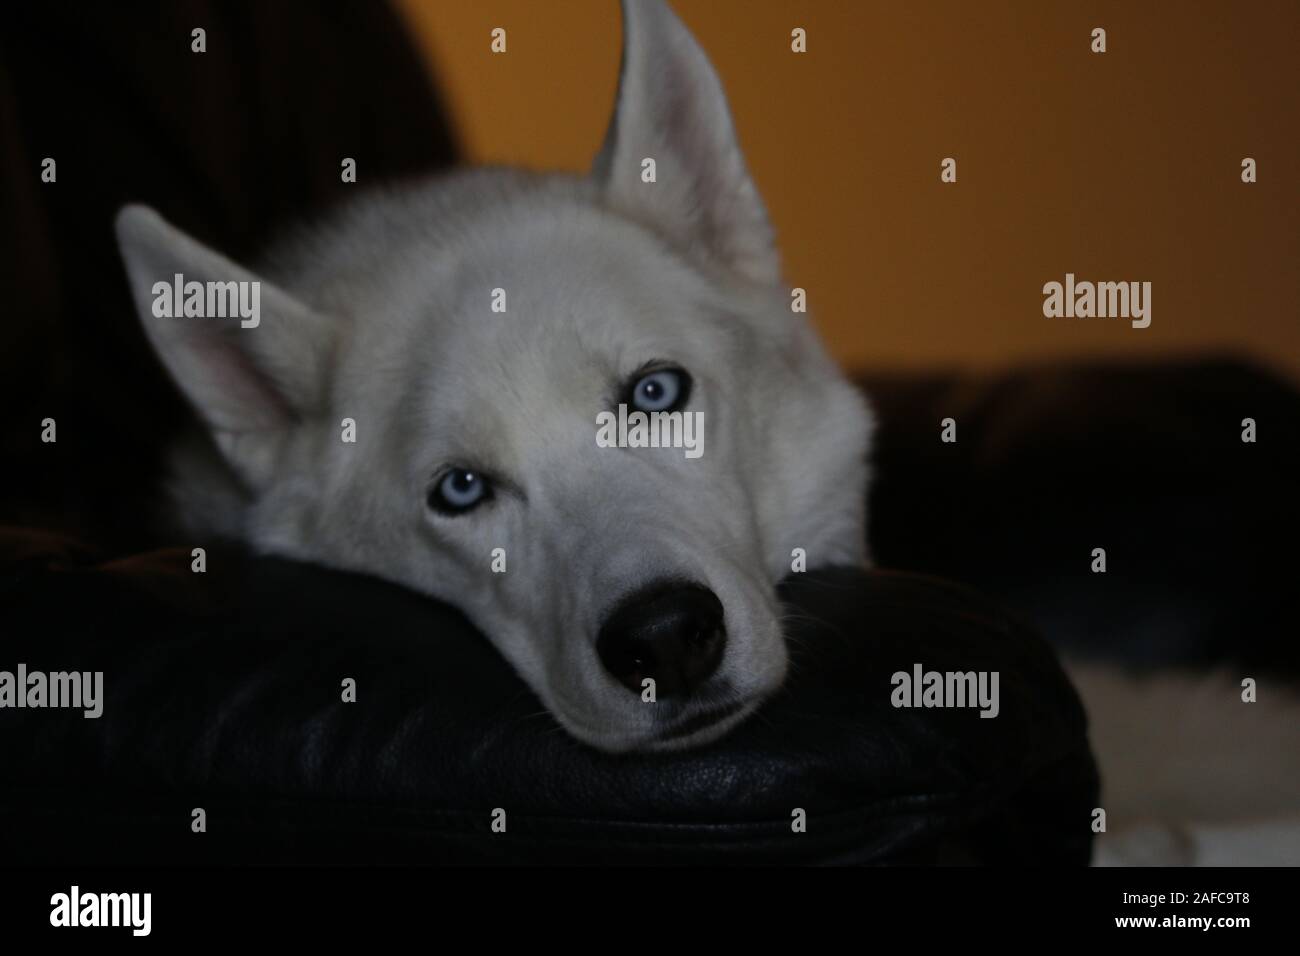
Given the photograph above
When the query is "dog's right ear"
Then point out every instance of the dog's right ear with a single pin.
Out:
(252, 374)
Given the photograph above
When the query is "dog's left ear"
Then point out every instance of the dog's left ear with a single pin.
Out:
(671, 108)
(251, 381)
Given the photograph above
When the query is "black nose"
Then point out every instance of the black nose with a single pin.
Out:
(672, 633)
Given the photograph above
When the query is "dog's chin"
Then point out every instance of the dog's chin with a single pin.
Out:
(701, 728)
(695, 728)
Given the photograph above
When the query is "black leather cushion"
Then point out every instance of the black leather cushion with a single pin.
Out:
(223, 692)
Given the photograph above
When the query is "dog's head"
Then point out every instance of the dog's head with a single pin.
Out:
(422, 398)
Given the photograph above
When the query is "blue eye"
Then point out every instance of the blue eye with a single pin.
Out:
(458, 491)
(661, 391)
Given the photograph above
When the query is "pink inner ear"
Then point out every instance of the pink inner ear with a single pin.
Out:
(227, 386)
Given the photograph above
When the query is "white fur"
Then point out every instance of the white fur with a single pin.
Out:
(381, 314)
(1191, 774)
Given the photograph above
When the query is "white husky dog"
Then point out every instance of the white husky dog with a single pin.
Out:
(476, 428)
(476, 474)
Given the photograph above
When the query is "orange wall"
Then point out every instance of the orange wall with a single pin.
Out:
(1115, 166)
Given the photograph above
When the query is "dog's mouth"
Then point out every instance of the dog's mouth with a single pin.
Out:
(700, 721)
(701, 726)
